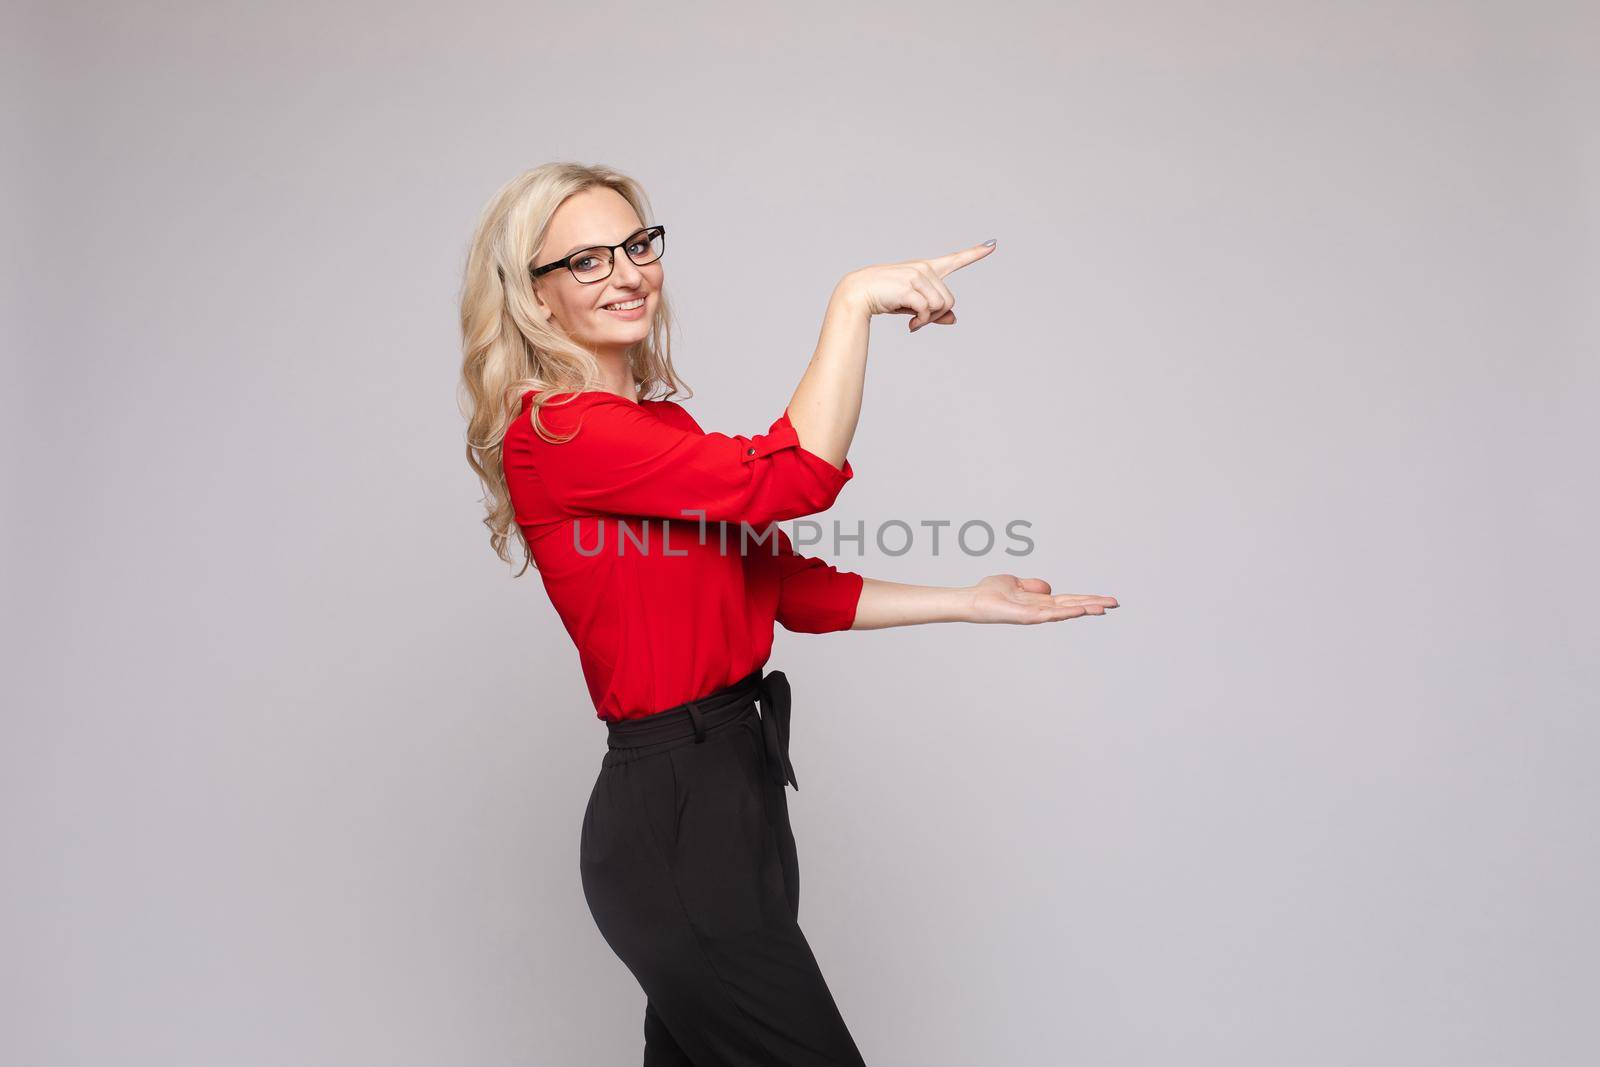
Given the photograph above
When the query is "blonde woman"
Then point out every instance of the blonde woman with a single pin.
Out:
(658, 546)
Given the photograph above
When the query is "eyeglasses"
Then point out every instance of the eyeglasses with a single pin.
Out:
(595, 264)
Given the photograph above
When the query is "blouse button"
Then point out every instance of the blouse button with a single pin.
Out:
(749, 451)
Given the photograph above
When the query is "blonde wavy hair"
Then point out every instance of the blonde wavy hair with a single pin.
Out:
(507, 349)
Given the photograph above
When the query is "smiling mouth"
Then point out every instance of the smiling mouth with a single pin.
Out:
(624, 305)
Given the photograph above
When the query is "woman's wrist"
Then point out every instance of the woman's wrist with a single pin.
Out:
(969, 603)
(848, 299)
(955, 604)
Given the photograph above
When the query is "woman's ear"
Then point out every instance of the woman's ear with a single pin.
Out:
(540, 308)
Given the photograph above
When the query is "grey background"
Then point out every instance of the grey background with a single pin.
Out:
(1289, 343)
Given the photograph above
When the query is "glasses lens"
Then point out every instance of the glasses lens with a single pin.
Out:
(591, 264)
(646, 246)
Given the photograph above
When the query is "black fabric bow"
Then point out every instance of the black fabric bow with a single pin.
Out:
(774, 696)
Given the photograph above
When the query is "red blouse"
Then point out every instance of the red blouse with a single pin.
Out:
(666, 607)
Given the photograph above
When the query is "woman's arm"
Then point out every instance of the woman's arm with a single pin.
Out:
(816, 597)
(827, 403)
(624, 459)
(997, 598)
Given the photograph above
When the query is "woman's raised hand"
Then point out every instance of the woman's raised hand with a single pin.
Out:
(915, 287)
(1007, 598)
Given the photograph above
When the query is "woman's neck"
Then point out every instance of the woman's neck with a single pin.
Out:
(616, 376)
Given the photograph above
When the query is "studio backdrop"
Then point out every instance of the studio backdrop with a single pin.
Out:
(1288, 343)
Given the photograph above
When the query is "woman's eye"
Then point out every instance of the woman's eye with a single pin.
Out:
(585, 263)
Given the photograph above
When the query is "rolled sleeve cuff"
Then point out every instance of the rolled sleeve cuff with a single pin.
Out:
(782, 436)
(845, 601)
(820, 600)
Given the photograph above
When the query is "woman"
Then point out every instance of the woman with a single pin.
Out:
(657, 545)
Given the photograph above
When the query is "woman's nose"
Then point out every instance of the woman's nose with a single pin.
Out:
(625, 272)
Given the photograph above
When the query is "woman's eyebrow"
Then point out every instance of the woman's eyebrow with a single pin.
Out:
(597, 244)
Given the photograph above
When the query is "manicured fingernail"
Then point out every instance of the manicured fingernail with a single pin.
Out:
(990, 242)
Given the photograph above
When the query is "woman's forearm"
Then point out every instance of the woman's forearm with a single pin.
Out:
(885, 604)
(827, 403)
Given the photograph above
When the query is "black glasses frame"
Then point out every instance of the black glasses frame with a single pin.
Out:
(651, 231)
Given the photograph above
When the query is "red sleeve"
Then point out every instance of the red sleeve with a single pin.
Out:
(625, 460)
(814, 597)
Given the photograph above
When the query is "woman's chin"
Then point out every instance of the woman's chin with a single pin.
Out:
(627, 331)
(620, 335)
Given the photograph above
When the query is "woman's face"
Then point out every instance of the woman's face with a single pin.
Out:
(597, 216)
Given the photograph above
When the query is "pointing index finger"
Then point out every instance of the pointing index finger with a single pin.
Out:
(953, 261)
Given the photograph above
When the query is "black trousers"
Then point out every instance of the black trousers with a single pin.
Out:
(690, 870)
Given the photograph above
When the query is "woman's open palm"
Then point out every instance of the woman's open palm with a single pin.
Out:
(1007, 598)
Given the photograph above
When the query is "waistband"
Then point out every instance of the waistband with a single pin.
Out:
(690, 722)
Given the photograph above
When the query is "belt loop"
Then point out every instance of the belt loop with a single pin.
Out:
(694, 716)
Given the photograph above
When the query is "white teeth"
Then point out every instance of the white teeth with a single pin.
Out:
(627, 305)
